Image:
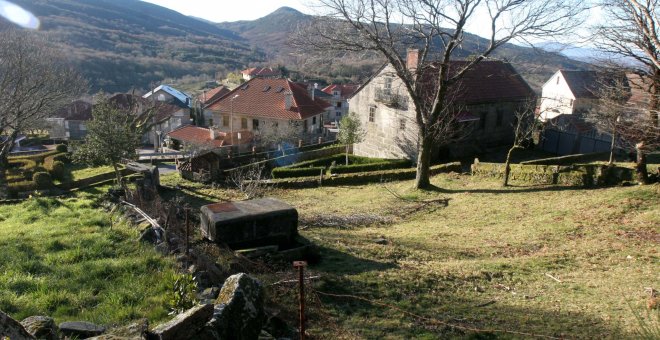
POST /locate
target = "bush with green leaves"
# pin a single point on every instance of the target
(183, 290)
(61, 148)
(58, 170)
(42, 180)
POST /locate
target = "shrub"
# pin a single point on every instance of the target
(60, 157)
(61, 148)
(38, 158)
(286, 172)
(365, 167)
(58, 170)
(42, 180)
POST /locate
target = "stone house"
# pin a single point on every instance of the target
(69, 122)
(486, 100)
(565, 99)
(263, 104)
(339, 95)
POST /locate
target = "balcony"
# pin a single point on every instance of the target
(393, 100)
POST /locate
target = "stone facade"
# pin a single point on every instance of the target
(391, 128)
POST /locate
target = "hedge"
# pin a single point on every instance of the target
(286, 172)
(394, 164)
(42, 180)
(570, 159)
(58, 170)
(340, 159)
(363, 177)
(25, 167)
(61, 148)
(575, 175)
(59, 157)
(38, 158)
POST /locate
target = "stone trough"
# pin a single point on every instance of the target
(265, 222)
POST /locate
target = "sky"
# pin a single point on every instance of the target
(224, 10)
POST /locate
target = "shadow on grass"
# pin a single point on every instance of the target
(448, 314)
(511, 189)
(340, 263)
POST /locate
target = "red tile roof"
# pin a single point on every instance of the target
(213, 94)
(261, 72)
(196, 135)
(345, 90)
(202, 136)
(263, 97)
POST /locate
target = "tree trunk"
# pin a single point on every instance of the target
(507, 166)
(4, 164)
(654, 105)
(346, 154)
(642, 172)
(117, 173)
(422, 178)
(612, 148)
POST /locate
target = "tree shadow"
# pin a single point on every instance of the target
(510, 189)
(341, 263)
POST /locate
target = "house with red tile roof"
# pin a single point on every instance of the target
(206, 138)
(266, 103)
(485, 100)
(260, 72)
(340, 93)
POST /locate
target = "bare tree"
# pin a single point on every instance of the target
(437, 28)
(248, 180)
(35, 81)
(632, 33)
(612, 93)
(524, 126)
(281, 134)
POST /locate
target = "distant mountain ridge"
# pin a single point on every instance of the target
(121, 44)
(272, 32)
(125, 44)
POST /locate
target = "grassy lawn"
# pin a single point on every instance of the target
(61, 258)
(79, 171)
(479, 262)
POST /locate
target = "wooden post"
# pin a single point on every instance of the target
(301, 286)
(187, 235)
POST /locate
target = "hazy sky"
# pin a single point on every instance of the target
(224, 10)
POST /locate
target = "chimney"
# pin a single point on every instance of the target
(213, 135)
(288, 100)
(412, 59)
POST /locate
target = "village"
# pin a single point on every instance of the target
(437, 197)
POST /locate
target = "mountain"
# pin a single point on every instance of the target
(124, 44)
(271, 33)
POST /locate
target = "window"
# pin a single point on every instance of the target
(225, 120)
(338, 104)
(314, 120)
(255, 124)
(387, 86)
(305, 125)
(500, 116)
(161, 97)
(338, 114)
(402, 124)
(244, 123)
(210, 121)
(571, 103)
(557, 80)
(372, 114)
(482, 121)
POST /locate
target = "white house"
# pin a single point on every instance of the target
(568, 92)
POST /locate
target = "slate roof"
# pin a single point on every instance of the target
(77, 110)
(345, 90)
(261, 72)
(128, 102)
(266, 97)
(487, 81)
(213, 94)
(181, 97)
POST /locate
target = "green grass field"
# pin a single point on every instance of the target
(481, 262)
(61, 258)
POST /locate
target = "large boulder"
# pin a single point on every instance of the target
(80, 329)
(41, 327)
(12, 329)
(185, 325)
(239, 310)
